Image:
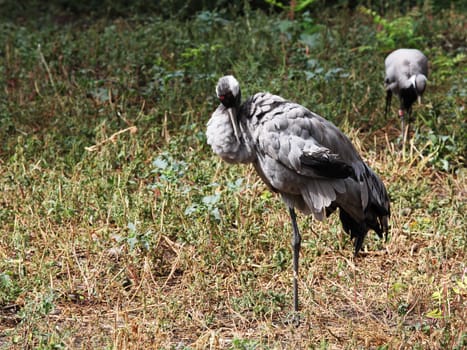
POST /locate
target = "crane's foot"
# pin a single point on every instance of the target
(296, 319)
(293, 319)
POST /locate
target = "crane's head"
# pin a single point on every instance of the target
(228, 92)
(418, 82)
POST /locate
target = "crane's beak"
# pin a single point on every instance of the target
(233, 120)
(419, 98)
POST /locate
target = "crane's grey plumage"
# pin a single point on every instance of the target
(301, 156)
(406, 76)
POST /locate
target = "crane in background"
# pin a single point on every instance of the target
(406, 77)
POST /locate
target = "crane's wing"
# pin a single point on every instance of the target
(314, 166)
(306, 143)
(302, 154)
(418, 63)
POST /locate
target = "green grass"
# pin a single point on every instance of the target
(145, 239)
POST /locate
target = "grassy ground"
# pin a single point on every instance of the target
(120, 229)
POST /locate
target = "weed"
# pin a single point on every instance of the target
(396, 32)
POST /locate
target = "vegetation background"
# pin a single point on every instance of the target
(120, 229)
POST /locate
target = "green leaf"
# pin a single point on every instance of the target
(435, 313)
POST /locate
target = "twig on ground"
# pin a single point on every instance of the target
(112, 138)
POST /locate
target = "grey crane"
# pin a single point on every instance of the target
(301, 156)
(406, 76)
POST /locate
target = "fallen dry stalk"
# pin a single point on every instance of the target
(112, 138)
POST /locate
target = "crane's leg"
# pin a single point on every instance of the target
(405, 125)
(296, 241)
(388, 103)
(403, 133)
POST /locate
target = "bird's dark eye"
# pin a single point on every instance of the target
(227, 99)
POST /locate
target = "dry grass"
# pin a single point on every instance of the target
(409, 292)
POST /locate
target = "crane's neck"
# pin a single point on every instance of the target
(233, 116)
(222, 137)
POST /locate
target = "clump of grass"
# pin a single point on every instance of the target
(120, 228)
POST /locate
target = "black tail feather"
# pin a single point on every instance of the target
(375, 214)
(355, 229)
(327, 166)
(374, 220)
